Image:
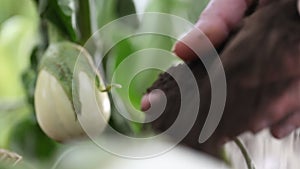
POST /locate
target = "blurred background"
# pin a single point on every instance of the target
(19, 37)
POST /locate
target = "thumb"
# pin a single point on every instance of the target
(215, 23)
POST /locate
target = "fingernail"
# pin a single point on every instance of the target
(154, 97)
(145, 103)
(183, 51)
(191, 45)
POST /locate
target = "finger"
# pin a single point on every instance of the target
(216, 21)
(276, 109)
(298, 6)
(286, 126)
(155, 98)
(145, 103)
(264, 2)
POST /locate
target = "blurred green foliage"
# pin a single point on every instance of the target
(23, 38)
(17, 38)
(19, 131)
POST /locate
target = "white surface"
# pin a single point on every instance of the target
(92, 157)
(268, 152)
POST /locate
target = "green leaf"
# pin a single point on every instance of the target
(125, 7)
(109, 10)
(28, 139)
(17, 39)
(83, 20)
(61, 14)
(105, 10)
(10, 115)
(29, 81)
(9, 8)
(119, 122)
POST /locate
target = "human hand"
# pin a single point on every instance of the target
(279, 112)
(216, 22)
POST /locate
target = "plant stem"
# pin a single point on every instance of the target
(5, 155)
(246, 155)
(84, 21)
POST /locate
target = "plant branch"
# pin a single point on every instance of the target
(246, 155)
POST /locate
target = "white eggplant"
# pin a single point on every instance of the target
(60, 90)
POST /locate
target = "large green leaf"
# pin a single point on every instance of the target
(109, 10)
(9, 8)
(28, 139)
(125, 7)
(61, 14)
(17, 38)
